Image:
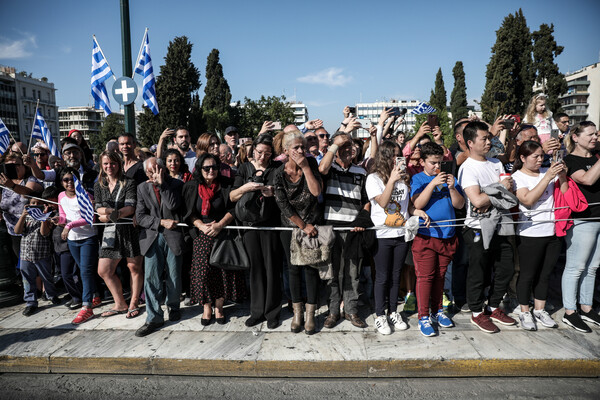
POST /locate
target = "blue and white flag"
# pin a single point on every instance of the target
(4, 138)
(422, 108)
(41, 131)
(100, 72)
(83, 199)
(38, 215)
(144, 68)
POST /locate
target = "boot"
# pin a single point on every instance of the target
(309, 325)
(297, 319)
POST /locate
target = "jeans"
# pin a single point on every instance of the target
(70, 276)
(85, 253)
(30, 271)
(583, 258)
(161, 260)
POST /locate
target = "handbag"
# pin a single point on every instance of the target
(109, 237)
(394, 218)
(228, 252)
(252, 207)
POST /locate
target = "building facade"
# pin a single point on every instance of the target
(300, 112)
(372, 111)
(582, 100)
(87, 120)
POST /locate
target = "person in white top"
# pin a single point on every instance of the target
(537, 243)
(475, 173)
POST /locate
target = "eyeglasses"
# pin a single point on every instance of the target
(311, 138)
(324, 135)
(208, 168)
(263, 153)
(38, 154)
(66, 180)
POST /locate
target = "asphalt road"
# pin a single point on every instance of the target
(90, 387)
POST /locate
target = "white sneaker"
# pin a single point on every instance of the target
(382, 325)
(398, 322)
(544, 318)
(527, 321)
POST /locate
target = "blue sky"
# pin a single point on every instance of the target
(328, 53)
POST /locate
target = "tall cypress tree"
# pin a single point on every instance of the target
(458, 98)
(438, 100)
(217, 96)
(510, 69)
(545, 50)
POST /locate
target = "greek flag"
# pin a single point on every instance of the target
(85, 205)
(41, 131)
(100, 72)
(422, 108)
(144, 68)
(4, 138)
(38, 215)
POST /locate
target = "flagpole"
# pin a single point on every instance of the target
(33, 126)
(101, 52)
(140, 52)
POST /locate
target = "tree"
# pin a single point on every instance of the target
(510, 69)
(217, 96)
(458, 98)
(545, 50)
(438, 100)
(113, 126)
(179, 79)
(252, 114)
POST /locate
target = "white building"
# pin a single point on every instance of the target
(87, 120)
(582, 100)
(372, 111)
(300, 112)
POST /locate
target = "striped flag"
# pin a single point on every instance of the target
(83, 199)
(38, 215)
(100, 72)
(422, 108)
(144, 68)
(4, 138)
(41, 131)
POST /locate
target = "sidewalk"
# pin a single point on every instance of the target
(47, 343)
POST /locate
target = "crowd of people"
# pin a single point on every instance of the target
(319, 216)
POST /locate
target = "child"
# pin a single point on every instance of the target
(36, 253)
(539, 116)
(437, 194)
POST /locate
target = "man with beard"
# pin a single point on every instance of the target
(133, 167)
(181, 141)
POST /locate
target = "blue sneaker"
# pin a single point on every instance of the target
(442, 319)
(425, 327)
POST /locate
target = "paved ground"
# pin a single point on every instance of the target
(47, 342)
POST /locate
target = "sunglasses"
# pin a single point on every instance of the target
(208, 168)
(324, 135)
(38, 154)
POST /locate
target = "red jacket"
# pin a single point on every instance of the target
(573, 199)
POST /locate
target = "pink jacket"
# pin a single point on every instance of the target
(573, 199)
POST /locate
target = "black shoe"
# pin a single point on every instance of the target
(206, 322)
(56, 300)
(148, 328)
(220, 321)
(75, 306)
(68, 303)
(590, 316)
(252, 321)
(174, 315)
(273, 324)
(29, 310)
(575, 321)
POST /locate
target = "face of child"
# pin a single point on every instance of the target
(432, 165)
(35, 202)
(540, 106)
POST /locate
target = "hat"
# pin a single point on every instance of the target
(153, 148)
(40, 145)
(71, 146)
(72, 131)
(230, 129)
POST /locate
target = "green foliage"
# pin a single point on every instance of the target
(438, 100)
(217, 95)
(458, 98)
(545, 50)
(197, 125)
(252, 114)
(113, 126)
(510, 69)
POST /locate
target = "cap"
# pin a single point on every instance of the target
(230, 129)
(71, 146)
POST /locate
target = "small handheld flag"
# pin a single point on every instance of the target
(85, 205)
(41, 131)
(38, 215)
(4, 138)
(422, 108)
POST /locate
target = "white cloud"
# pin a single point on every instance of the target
(330, 77)
(12, 49)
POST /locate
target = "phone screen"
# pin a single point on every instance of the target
(10, 170)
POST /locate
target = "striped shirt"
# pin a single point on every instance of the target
(345, 194)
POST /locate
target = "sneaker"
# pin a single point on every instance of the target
(410, 303)
(484, 323)
(442, 319)
(465, 308)
(590, 316)
(398, 322)
(544, 318)
(446, 303)
(382, 325)
(425, 327)
(576, 322)
(75, 306)
(84, 315)
(56, 300)
(96, 302)
(500, 317)
(527, 321)
(29, 310)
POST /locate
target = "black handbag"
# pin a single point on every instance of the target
(228, 252)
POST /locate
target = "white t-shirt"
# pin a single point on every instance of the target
(530, 215)
(71, 208)
(400, 194)
(478, 173)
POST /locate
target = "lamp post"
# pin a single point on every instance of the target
(127, 68)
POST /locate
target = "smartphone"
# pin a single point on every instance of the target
(352, 110)
(448, 167)
(432, 120)
(402, 162)
(395, 111)
(365, 123)
(276, 126)
(10, 170)
(508, 123)
(554, 134)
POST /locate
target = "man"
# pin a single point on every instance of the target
(312, 144)
(345, 196)
(18, 148)
(474, 174)
(132, 166)
(231, 138)
(161, 240)
(525, 133)
(323, 142)
(562, 121)
(181, 141)
(226, 156)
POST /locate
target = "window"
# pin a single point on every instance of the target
(24, 92)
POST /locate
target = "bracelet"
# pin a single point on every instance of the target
(344, 125)
(333, 148)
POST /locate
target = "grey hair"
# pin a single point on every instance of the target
(290, 137)
(159, 162)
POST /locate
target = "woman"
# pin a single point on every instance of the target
(80, 141)
(208, 209)
(583, 240)
(258, 176)
(297, 188)
(208, 143)
(115, 199)
(18, 183)
(537, 243)
(245, 153)
(176, 166)
(387, 189)
(81, 239)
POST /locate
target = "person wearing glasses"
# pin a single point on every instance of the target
(323, 143)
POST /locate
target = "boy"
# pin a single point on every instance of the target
(438, 195)
(36, 253)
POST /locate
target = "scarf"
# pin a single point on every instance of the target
(207, 193)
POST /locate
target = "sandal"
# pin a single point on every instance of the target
(132, 313)
(110, 313)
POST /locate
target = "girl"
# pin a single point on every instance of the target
(538, 115)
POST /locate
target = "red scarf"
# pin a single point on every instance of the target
(207, 193)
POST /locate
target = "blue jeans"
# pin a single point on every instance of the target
(583, 259)
(158, 259)
(85, 253)
(30, 270)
